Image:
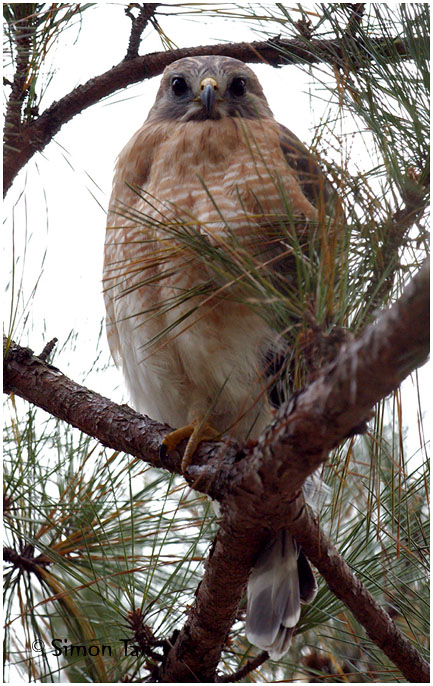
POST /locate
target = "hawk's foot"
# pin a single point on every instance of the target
(196, 432)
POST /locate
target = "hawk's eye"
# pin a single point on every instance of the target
(179, 86)
(238, 87)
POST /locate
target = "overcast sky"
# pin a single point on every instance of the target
(61, 213)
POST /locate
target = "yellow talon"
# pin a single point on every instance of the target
(196, 432)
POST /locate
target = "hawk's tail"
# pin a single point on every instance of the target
(281, 580)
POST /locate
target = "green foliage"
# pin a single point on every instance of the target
(109, 536)
(103, 536)
(101, 548)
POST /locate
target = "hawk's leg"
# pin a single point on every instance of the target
(197, 431)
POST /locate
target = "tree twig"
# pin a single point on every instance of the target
(139, 23)
(356, 12)
(249, 667)
(47, 350)
(21, 30)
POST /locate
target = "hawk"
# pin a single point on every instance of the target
(210, 180)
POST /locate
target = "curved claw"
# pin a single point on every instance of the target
(196, 432)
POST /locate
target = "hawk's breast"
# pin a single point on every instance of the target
(225, 180)
(223, 175)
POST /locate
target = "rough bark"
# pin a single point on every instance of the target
(259, 486)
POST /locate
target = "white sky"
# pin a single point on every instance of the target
(59, 211)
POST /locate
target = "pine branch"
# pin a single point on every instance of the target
(344, 584)
(146, 13)
(22, 37)
(259, 487)
(24, 560)
(116, 426)
(276, 52)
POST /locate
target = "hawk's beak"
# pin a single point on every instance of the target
(208, 88)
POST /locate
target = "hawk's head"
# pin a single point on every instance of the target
(209, 87)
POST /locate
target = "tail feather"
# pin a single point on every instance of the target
(274, 599)
(281, 580)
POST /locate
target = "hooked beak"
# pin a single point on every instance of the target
(208, 88)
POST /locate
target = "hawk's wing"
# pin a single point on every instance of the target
(313, 181)
(131, 173)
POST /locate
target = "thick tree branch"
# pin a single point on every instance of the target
(262, 492)
(259, 488)
(277, 52)
(342, 397)
(116, 426)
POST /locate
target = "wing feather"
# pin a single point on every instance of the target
(313, 181)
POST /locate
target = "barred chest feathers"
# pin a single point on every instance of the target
(214, 359)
